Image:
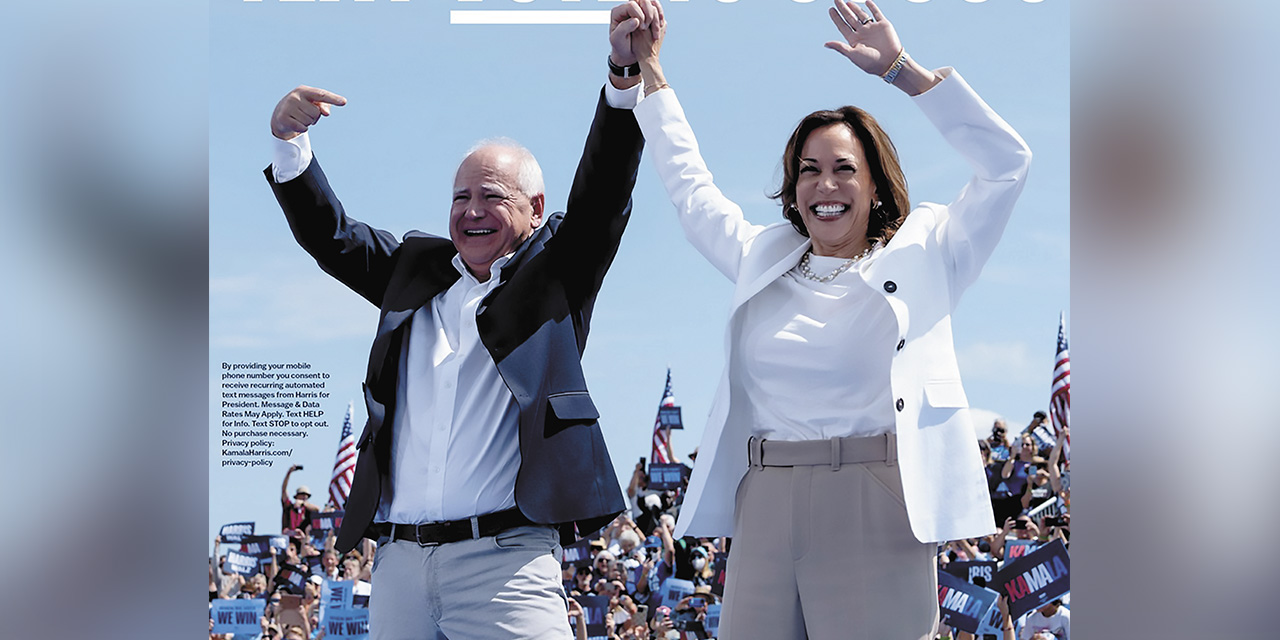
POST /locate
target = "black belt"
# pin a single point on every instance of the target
(435, 533)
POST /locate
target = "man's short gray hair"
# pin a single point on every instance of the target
(528, 174)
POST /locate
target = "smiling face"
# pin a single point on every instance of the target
(490, 215)
(834, 191)
(1028, 448)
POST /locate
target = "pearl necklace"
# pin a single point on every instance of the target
(808, 273)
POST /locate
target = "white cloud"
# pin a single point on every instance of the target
(1003, 362)
(284, 309)
(982, 419)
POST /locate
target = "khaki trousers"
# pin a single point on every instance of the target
(823, 550)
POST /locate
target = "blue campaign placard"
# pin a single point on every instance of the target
(1036, 578)
(594, 608)
(327, 520)
(719, 568)
(972, 570)
(291, 577)
(963, 605)
(669, 417)
(279, 542)
(237, 616)
(335, 595)
(322, 524)
(578, 554)
(349, 624)
(1014, 549)
(257, 546)
(674, 590)
(992, 624)
(241, 563)
(712, 623)
(665, 475)
(235, 531)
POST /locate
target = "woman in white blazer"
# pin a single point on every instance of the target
(839, 448)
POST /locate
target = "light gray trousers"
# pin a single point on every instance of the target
(504, 587)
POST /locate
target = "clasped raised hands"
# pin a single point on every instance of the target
(635, 31)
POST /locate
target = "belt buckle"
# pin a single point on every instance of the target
(417, 536)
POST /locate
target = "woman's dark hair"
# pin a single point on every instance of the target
(882, 159)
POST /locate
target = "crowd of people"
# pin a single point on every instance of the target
(630, 561)
(290, 579)
(1029, 477)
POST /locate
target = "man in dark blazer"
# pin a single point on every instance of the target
(482, 452)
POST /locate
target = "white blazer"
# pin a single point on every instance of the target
(938, 252)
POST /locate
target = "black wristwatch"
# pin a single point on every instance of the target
(630, 71)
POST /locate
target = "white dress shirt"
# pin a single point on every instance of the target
(816, 355)
(455, 448)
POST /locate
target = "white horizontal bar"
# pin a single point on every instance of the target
(529, 17)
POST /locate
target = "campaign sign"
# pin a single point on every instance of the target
(971, 570)
(712, 623)
(322, 524)
(260, 546)
(235, 531)
(256, 546)
(1036, 578)
(327, 521)
(593, 609)
(314, 564)
(718, 568)
(352, 624)
(578, 554)
(964, 606)
(669, 417)
(291, 577)
(665, 475)
(335, 595)
(241, 563)
(238, 616)
(993, 624)
(674, 590)
(1014, 549)
(280, 543)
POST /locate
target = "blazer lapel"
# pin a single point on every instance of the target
(425, 270)
(775, 268)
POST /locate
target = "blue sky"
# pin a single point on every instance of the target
(422, 90)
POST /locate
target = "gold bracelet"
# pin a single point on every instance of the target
(648, 91)
(891, 73)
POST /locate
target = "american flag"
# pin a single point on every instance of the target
(660, 434)
(344, 466)
(1060, 396)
